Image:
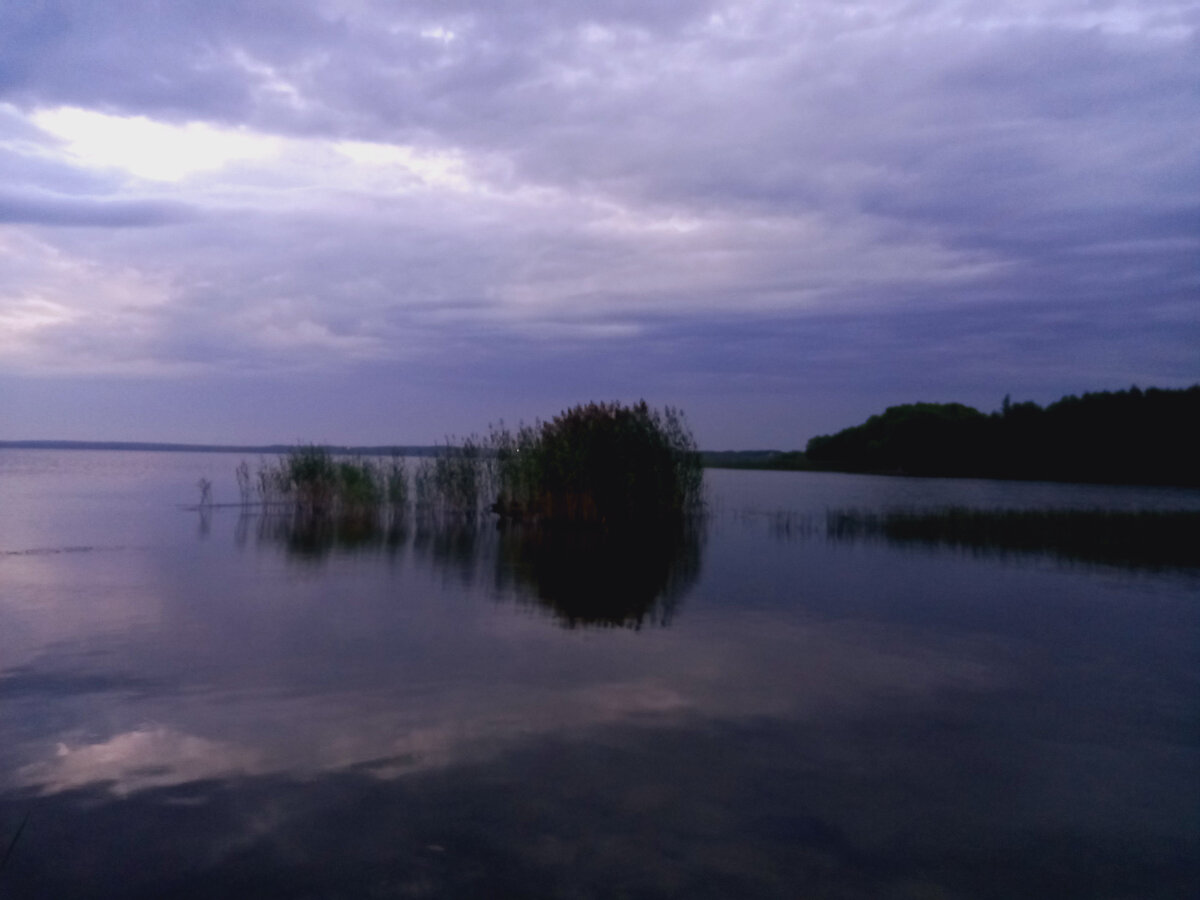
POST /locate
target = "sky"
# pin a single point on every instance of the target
(389, 222)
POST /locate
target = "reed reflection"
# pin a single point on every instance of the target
(312, 538)
(1143, 539)
(609, 577)
(454, 544)
(583, 575)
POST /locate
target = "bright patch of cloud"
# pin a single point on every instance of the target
(438, 33)
(60, 310)
(270, 84)
(149, 149)
(438, 169)
(24, 315)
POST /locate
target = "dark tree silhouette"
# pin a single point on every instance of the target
(1133, 436)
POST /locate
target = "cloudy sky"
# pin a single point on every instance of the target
(361, 222)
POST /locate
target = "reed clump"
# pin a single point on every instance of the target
(312, 481)
(600, 463)
(456, 481)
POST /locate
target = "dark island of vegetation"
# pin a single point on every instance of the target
(1113, 437)
(597, 464)
(600, 463)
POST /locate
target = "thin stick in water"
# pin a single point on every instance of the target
(13, 842)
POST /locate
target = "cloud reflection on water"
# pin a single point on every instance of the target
(147, 757)
(402, 712)
(371, 662)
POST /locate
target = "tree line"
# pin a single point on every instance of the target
(1133, 436)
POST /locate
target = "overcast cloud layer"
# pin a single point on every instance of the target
(376, 222)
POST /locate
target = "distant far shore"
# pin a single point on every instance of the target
(1107, 437)
(265, 449)
(716, 459)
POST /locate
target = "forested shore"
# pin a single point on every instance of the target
(1117, 437)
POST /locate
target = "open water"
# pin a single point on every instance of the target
(222, 705)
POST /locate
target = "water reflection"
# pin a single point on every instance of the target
(455, 545)
(313, 538)
(583, 575)
(323, 709)
(605, 577)
(757, 808)
(1145, 539)
(204, 526)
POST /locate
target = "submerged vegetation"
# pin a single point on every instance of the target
(1145, 538)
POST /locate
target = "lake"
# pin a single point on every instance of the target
(210, 703)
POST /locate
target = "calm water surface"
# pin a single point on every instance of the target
(221, 705)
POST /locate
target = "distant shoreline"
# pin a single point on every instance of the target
(710, 459)
(748, 460)
(267, 449)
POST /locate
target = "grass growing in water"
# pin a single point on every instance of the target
(1148, 538)
(311, 481)
(456, 481)
(599, 463)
